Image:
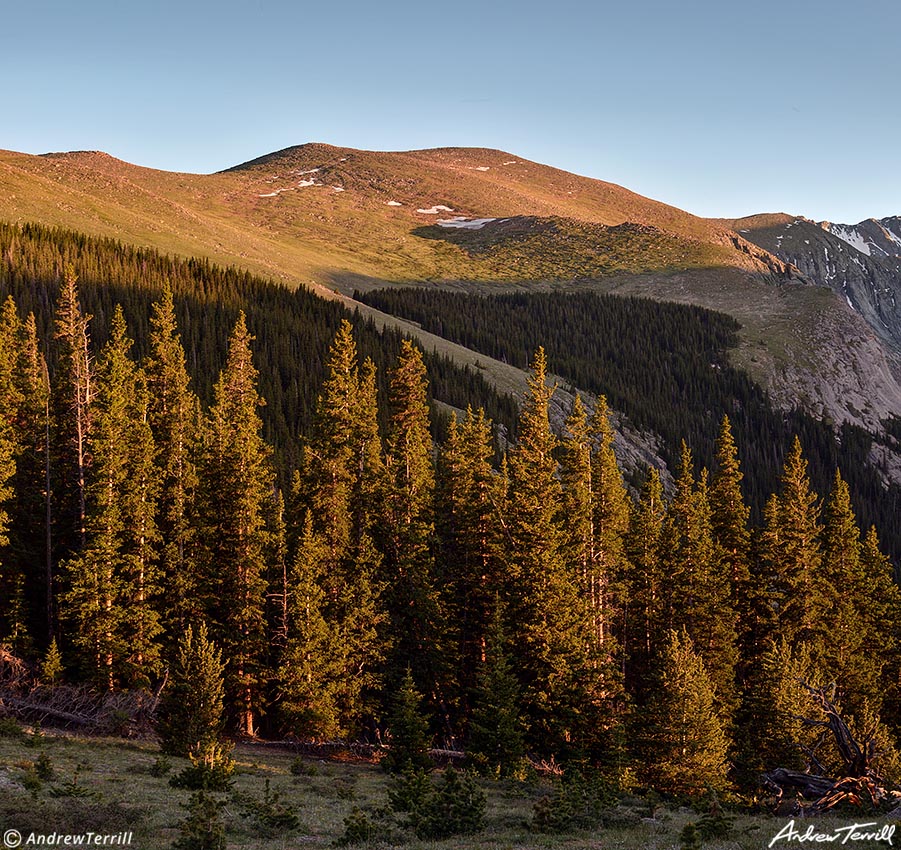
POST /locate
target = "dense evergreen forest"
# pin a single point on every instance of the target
(666, 367)
(293, 328)
(534, 604)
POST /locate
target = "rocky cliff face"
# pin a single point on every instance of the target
(860, 262)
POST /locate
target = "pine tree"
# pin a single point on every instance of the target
(696, 587)
(644, 609)
(408, 527)
(470, 497)
(729, 516)
(496, 733)
(112, 583)
(191, 712)
(72, 396)
(546, 614)
(236, 482)
(409, 731)
(30, 539)
(847, 648)
(174, 415)
(791, 555)
(687, 746)
(311, 672)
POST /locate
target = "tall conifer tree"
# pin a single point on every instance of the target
(548, 619)
(174, 415)
(72, 417)
(236, 483)
(468, 525)
(729, 516)
(411, 592)
(112, 583)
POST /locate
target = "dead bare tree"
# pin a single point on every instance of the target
(858, 782)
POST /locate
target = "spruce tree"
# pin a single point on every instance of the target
(310, 676)
(30, 538)
(191, 713)
(643, 612)
(611, 513)
(696, 587)
(112, 583)
(595, 513)
(236, 483)
(174, 416)
(72, 397)
(470, 499)
(339, 476)
(687, 745)
(847, 648)
(547, 617)
(410, 740)
(729, 516)
(407, 529)
(792, 555)
(771, 733)
(496, 732)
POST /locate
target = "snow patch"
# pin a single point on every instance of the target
(482, 168)
(304, 183)
(276, 192)
(848, 299)
(438, 208)
(308, 171)
(337, 188)
(465, 223)
(852, 237)
(512, 162)
(395, 204)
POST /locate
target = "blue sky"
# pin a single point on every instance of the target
(720, 108)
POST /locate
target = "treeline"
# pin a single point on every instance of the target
(536, 606)
(666, 367)
(293, 327)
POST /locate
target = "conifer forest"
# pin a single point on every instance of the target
(194, 457)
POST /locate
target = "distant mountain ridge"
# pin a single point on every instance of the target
(860, 262)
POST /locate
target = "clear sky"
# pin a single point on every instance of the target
(721, 108)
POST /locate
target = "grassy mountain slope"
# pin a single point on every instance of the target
(259, 215)
(341, 219)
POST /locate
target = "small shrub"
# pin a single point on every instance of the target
(301, 767)
(73, 789)
(30, 780)
(36, 738)
(368, 826)
(202, 829)
(344, 787)
(689, 838)
(44, 767)
(716, 823)
(270, 814)
(409, 791)
(454, 807)
(161, 767)
(9, 728)
(578, 803)
(210, 771)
